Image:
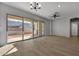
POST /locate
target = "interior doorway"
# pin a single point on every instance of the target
(74, 27)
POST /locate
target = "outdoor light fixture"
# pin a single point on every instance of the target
(35, 6)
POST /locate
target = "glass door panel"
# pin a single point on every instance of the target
(14, 30)
(39, 28)
(35, 28)
(43, 28)
(28, 28)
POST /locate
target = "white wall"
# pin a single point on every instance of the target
(61, 26)
(47, 27)
(4, 9)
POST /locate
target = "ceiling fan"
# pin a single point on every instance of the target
(55, 15)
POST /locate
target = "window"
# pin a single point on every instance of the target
(35, 28)
(14, 28)
(28, 28)
(21, 28)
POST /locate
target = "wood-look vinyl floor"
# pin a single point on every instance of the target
(47, 46)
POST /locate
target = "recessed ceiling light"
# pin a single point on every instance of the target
(59, 6)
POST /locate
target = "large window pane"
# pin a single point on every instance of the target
(43, 25)
(35, 28)
(40, 28)
(28, 28)
(14, 28)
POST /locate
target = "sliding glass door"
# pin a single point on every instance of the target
(43, 25)
(35, 28)
(20, 28)
(14, 30)
(40, 28)
(28, 29)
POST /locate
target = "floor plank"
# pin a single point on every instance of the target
(46, 46)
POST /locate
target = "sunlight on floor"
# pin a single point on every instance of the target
(7, 49)
(12, 51)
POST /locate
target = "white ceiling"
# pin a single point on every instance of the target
(48, 8)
